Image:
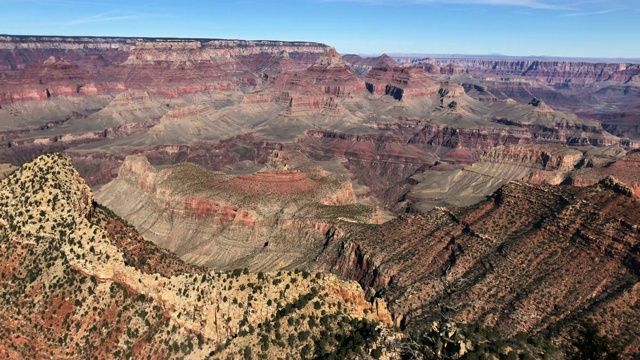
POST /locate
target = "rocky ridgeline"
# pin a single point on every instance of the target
(75, 283)
(536, 259)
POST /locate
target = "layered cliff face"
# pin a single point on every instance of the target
(329, 75)
(432, 66)
(265, 221)
(626, 170)
(554, 72)
(535, 259)
(400, 82)
(105, 65)
(78, 282)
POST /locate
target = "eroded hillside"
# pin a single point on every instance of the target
(537, 259)
(267, 220)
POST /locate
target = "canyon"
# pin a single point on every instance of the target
(196, 194)
(606, 92)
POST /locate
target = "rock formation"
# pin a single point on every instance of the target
(265, 221)
(400, 82)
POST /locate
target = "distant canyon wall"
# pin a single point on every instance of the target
(554, 72)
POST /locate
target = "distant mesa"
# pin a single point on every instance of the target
(362, 65)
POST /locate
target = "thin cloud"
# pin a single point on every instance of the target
(105, 18)
(532, 4)
(590, 13)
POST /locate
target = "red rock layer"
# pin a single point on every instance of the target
(330, 75)
(400, 82)
(165, 67)
(280, 182)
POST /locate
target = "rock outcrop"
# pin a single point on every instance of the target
(625, 170)
(399, 82)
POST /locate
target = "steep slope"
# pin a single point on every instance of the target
(537, 259)
(77, 282)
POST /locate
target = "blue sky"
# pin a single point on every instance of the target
(578, 28)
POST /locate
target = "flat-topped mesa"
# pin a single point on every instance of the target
(400, 82)
(430, 67)
(451, 69)
(549, 157)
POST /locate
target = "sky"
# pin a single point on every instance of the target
(566, 28)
